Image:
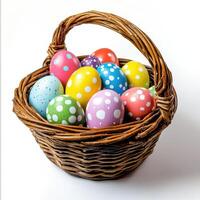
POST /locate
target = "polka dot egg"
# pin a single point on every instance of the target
(65, 110)
(138, 102)
(136, 74)
(83, 83)
(43, 91)
(63, 64)
(113, 78)
(104, 109)
(92, 61)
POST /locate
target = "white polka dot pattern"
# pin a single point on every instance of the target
(79, 95)
(59, 108)
(117, 113)
(55, 118)
(72, 110)
(72, 119)
(100, 114)
(97, 101)
(68, 102)
(87, 89)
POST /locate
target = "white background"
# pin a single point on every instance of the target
(173, 170)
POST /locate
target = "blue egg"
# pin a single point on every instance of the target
(43, 91)
(112, 77)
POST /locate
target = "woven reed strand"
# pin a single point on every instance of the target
(107, 153)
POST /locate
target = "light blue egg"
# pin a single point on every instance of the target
(43, 91)
(113, 78)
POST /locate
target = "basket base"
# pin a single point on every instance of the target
(97, 162)
(104, 176)
(119, 176)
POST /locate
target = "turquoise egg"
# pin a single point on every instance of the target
(113, 78)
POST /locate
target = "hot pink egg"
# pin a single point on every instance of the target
(138, 102)
(63, 64)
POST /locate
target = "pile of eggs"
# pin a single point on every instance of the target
(95, 92)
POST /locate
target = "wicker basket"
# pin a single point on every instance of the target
(106, 153)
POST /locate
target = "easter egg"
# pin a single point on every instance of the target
(104, 109)
(112, 77)
(152, 91)
(43, 91)
(63, 64)
(65, 110)
(91, 61)
(136, 74)
(82, 84)
(138, 102)
(106, 55)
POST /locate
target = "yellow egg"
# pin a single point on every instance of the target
(136, 74)
(82, 84)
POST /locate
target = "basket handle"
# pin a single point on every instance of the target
(161, 73)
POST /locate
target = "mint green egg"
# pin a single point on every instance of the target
(152, 91)
(65, 110)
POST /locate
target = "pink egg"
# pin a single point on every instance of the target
(63, 64)
(138, 102)
(104, 109)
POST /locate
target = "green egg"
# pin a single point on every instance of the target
(65, 110)
(152, 91)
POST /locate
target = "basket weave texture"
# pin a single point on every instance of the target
(107, 153)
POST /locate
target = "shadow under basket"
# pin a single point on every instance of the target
(107, 153)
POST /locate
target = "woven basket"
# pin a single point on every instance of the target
(107, 153)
